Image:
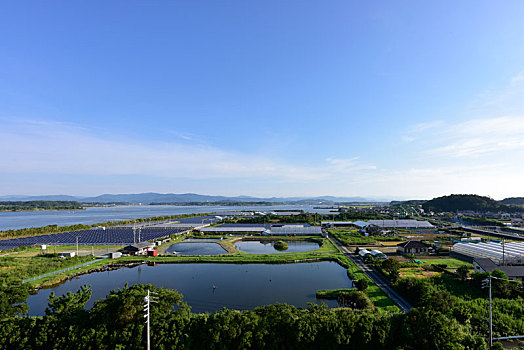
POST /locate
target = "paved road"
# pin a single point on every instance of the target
(376, 277)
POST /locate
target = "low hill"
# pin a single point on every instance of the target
(472, 202)
(39, 205)
(513, 201)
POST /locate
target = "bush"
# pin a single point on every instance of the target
(281, 245)
(415, 290)
(355, 300)
(361, 284)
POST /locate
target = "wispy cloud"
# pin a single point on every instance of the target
(478, 137)
(426, 126)
(347, 165)
(497, 126)
(53, 147)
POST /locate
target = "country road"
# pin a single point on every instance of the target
(376, 277)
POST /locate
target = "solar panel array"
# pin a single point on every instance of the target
(90, 237)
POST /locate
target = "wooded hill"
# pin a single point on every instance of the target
(472, 202)
(513, 201)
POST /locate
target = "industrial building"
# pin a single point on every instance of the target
(293, 230)
(511, 253)
(265, 229)
(138, 248)
(406, 224)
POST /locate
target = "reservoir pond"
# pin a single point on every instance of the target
(193, 248)
(211, 287)
(268, 247)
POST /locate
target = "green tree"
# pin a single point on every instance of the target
(361, 284)
(69, 303)
(392, 268)
(13, 298)
(463, 272)
(500, 284)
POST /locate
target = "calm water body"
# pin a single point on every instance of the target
(196, 249)
(265, 247)
(17, 220)
(238, 286)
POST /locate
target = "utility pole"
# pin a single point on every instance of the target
(487, 284)
(76, 245)
(148, 300)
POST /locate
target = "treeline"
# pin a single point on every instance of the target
(513, 201)
(50, 229)
(117, 322)
(271, 218)
(481, 221)
(309, 218)
(457, 202)
(40, 205)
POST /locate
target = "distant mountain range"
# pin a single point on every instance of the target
(147, 198)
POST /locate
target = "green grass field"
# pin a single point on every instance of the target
(448, 261)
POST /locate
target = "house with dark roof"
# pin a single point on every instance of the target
(413, 247)
(487, 265)
(138, 248)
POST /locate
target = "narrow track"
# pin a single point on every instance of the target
(376, 277)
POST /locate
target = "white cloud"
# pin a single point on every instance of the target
(53, 147)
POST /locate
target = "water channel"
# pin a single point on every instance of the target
(237, 286)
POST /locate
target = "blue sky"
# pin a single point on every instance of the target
(382, 99)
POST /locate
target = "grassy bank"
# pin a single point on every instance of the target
(20, 268)
(332, 293)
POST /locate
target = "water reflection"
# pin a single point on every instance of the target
(196, 249)
(268, 247)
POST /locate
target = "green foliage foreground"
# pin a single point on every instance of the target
(117, 322)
